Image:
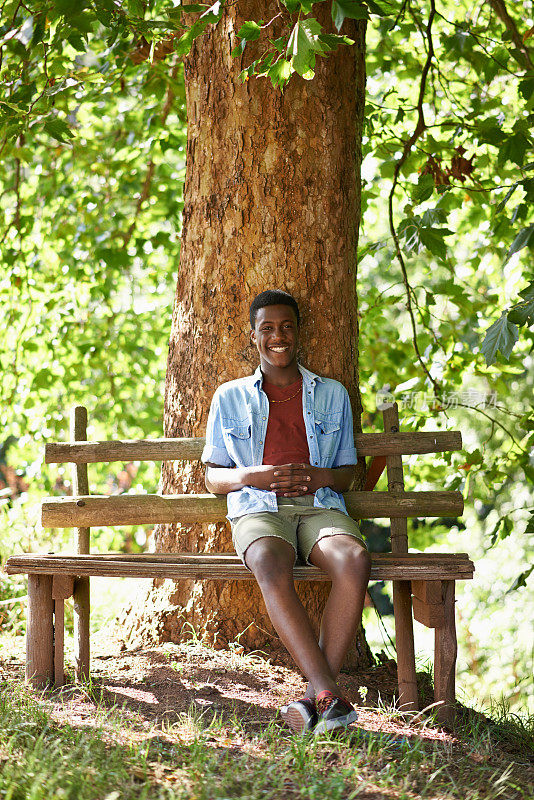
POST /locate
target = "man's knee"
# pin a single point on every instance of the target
(271, 560)
(347, 559)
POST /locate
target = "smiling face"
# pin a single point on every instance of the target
(275, 335)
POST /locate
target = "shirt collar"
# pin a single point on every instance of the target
(308, 376)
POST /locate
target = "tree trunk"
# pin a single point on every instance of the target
(272, 200)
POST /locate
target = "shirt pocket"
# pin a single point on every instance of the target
(237, 439)
(328, 435)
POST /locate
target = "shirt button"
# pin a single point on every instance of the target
(264, 417)
(311, 436)
(315, 462)
(261, 441)
(309, 412)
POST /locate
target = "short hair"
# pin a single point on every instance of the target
(272, 297)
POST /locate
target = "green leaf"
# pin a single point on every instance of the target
(59, 129)
(6, 107)
(501, 336)
(303, 45)
(250, 31)
(514, 149)
(279, 44)
(185, 42)
(291, 5)
(433, 217)
(521, 579)
(39, 27)
(353, 9)
(490, 132)
(522, 313)
(423, 189)
(378, 8)
(507, 196)
(43, 378)
(82, 22)
(528, 292)
(212, 14)
(280, 72)
(409, 228)
(526, 88)
(67, 7)
(524, 237)
(332, 40)
(432, 238)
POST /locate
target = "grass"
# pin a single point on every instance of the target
(200, 754)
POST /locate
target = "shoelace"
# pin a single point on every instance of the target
(325, 700)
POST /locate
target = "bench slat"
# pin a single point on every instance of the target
(146, 509)
(385, 566)
(183, 449)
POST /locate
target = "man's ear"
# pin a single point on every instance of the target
(253, 338)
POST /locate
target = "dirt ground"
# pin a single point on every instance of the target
(154, 686)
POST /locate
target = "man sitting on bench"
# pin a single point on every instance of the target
(280, 445)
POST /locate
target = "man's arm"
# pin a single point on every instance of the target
(288, 480)
(222, 480)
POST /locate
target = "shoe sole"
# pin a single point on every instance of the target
(325, 725)
(298, 720)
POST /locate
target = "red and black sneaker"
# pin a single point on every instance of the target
(300, 715)
(333, 712)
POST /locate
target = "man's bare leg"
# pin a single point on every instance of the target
(348, 564)
(271, 560)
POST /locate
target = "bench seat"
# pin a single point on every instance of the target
(199, 566)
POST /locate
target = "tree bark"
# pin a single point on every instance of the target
(272, 200)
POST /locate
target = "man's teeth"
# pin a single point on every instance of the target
(279, 349)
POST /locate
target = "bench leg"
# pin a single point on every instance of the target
(445, 657)
(402, 605)
(62, 588)
(59, 639)
(81, 629)
(40, 631)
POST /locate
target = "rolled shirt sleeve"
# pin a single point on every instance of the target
(215, 450)
(346, 453)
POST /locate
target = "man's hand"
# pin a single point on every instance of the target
(295, 480)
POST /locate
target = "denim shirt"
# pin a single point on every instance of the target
(237, 424)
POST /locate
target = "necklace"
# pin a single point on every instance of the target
(289, 398)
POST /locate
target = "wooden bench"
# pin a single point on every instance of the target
(423, 583)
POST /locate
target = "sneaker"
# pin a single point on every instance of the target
(333, 712)
(300, 715)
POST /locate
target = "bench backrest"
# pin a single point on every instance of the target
(83, 511)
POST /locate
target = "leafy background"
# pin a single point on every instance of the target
(93, 132)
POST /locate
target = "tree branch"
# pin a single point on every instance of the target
(499, 6)
(408, 145)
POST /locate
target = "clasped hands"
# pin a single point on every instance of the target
(295, 480)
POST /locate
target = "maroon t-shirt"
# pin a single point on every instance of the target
(285, 440)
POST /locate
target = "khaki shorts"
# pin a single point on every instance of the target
(297, 522)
